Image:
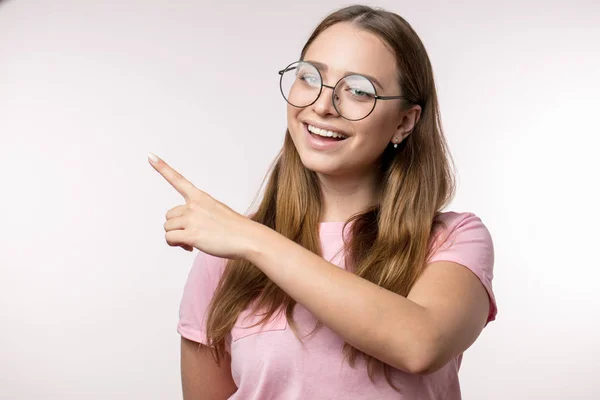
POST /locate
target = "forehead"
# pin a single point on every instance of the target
(344, 47)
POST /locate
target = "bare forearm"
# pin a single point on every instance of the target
(380, 323)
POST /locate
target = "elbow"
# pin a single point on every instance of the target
(428, 357)
(425, 366)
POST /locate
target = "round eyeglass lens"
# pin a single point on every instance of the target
(354, 97)
(300, 84)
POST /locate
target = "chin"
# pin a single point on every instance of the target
(320, 164)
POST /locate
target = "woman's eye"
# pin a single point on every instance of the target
(359, 93)
(309, 79)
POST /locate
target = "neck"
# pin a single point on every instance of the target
(343, 197)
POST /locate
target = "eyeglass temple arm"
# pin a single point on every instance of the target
(389, 97)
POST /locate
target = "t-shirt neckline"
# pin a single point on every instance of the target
(332, 227)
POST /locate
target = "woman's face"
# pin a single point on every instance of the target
(341, 49)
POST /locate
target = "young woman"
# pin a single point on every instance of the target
(348, 282)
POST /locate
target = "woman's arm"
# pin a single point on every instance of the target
(440, 318)
(201, 377)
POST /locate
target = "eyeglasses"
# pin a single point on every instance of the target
(354, 96)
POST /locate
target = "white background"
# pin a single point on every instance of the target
(89, 290)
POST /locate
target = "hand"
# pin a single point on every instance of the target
(202, 222)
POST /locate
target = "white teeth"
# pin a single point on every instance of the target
(323, 132)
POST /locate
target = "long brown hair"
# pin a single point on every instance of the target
(389, 242)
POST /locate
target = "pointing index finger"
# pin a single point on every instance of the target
(182, 185)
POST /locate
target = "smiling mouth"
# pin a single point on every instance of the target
(325, 134)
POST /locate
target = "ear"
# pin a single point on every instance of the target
(408, 120)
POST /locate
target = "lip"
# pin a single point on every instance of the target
(325, 126)
(317, 144)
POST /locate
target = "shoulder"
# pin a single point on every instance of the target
(463, 238)
(207, 268)
(452, 226)
(453, 219)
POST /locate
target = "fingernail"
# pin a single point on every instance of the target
(152, 157)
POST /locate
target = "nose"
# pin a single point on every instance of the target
(324, 104)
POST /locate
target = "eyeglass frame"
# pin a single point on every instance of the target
(376, 96)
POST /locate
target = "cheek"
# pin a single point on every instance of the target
(292, 118)
(377, 131)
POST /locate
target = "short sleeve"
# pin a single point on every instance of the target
(467, 241)
(199, 289)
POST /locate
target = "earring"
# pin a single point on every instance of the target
(396, 144)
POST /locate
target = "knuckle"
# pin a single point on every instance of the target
(171, 240)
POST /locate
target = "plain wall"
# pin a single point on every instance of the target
(89, 289)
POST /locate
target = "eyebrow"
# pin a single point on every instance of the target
(324, 68)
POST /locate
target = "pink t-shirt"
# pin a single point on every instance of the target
(268, 362)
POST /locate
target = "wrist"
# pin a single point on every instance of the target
(255, 235)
